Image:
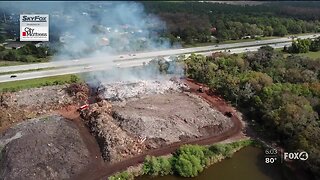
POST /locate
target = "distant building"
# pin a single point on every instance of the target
(14, 44)
(213, 30)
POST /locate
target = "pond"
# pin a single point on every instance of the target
(247, 164)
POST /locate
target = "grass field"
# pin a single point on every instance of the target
(312, 55)
(39, 82)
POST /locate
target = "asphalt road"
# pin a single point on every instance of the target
(122, 61)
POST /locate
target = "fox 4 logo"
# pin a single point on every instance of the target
(296, 156)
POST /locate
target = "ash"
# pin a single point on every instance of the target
(122, 90)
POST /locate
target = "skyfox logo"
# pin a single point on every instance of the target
(34, 19)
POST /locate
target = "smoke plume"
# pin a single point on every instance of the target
(92, 29)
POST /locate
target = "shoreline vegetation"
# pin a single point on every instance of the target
(187, 161)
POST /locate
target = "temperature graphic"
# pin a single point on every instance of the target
(271, 156)
(270, 160)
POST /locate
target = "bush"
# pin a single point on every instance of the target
(28, 59)
(189, 160)
(194, 150)
(11, 56)
(58, 82)
(187, 165)
(155, 166)
(122, 176)
(74, 79)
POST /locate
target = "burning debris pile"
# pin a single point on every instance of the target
(115, 143)
(120, 91)
(150, 114)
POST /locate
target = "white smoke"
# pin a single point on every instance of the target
(91, 29)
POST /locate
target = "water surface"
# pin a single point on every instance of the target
(247, 164)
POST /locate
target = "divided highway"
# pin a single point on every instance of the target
(123, 61)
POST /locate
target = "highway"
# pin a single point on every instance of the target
(123, 61)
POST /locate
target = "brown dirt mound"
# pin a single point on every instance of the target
(46, 148)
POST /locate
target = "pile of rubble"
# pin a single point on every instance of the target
(130, 127)
(120, 91)
(170, 117)
(115, 143)
(30, 103)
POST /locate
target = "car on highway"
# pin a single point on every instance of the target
(121, 56)
(13, 76)
(87, 67)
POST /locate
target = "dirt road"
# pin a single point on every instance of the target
(100, 170)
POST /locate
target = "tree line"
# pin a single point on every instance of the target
(193, 22)
(280, 94)
(27, 53)
(303, 46)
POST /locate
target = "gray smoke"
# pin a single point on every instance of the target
(92, 29)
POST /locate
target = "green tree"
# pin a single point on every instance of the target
(294, 28)
(261, 59)
(11, 56)
(280, 30)
(268, 31)
(187, 165)
(300, 46)
(151, 166)
(315, 45)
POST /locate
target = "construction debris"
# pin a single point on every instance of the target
(31, 103)
(170, 117)
(120, 91)
(116, 144)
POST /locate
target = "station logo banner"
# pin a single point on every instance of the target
(34, 27)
